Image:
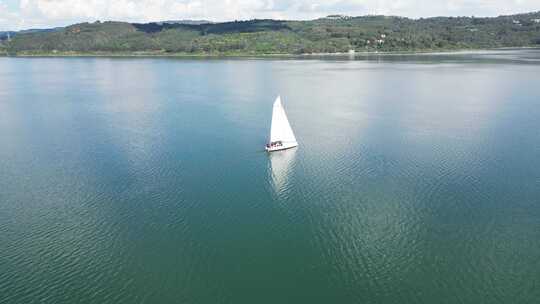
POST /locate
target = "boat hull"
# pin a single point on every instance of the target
(281, 148)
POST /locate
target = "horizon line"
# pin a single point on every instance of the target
(285, 20)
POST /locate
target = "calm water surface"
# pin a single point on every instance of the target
(417, 180)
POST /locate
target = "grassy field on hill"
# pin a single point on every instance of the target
(259, 37)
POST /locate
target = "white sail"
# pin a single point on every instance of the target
(281, 129)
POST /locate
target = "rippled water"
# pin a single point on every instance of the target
(417, 180)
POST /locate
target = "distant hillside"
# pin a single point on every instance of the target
(326, 35)
(4, 35)
(195, 22)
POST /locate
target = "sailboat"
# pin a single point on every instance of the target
(281, 134)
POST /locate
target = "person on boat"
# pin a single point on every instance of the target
(274, 144)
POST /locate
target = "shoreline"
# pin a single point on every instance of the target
(244, 55)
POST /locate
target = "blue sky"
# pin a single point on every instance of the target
(23, 14)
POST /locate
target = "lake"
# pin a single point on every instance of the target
(144, 180)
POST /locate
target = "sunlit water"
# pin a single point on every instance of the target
(417, 180)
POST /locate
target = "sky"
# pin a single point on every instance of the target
(25, 14)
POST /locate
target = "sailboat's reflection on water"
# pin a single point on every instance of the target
(281, 170)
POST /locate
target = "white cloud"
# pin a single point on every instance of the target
(6, 16)
(47, 13)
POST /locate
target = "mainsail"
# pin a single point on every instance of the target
(281, 129)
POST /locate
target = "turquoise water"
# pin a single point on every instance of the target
(417, 180)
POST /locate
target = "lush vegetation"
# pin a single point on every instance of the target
(327, 35)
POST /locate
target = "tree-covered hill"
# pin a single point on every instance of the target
(326, 35)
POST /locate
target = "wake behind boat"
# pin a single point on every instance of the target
(281, 133)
